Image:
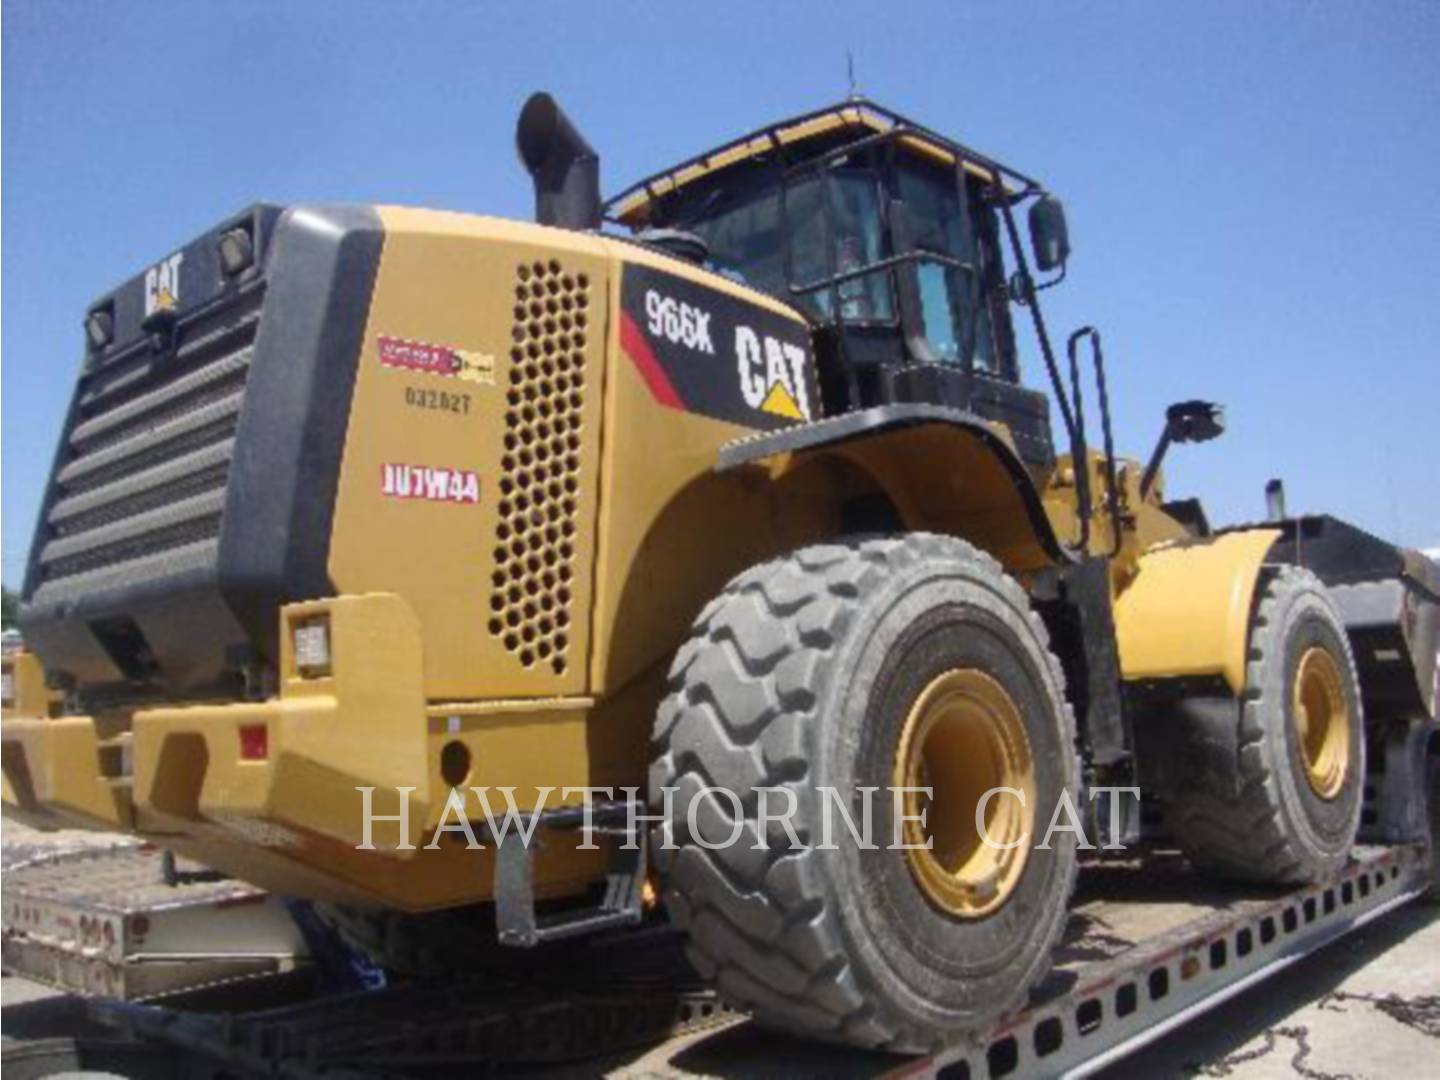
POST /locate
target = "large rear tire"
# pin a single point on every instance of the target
(1278, 801)
(867, 664)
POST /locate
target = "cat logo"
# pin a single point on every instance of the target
(772, 375)
(162, 285)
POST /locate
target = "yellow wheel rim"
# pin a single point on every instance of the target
(964, 738)
(1322, 718)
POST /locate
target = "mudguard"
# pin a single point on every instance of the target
(1186, 612)
(984, 494)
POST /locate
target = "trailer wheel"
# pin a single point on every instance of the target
(1278, 800)
(881, 664)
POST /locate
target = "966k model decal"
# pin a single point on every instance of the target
(705, 351)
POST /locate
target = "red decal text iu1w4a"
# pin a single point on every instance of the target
(433, 485)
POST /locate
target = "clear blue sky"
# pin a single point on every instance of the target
(1251, 186)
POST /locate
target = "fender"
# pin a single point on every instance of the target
(1186, 612)
(944, 470)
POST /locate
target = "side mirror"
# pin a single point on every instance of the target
(1185, 422)
(1049, 236)
(1194, 421)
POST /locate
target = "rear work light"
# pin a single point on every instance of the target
(312, 648)
(99, 328)
(237, 250)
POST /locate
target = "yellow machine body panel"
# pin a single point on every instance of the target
(671, 530)
(971, 495)
(520, 579)
(25, 691)
(1186, 611)
(469, 488)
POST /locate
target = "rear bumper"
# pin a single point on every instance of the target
(36, 788)
(293, 818)
(275, 770)
(52, 777)
(279, 771)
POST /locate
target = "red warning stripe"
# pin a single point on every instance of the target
(638, 349)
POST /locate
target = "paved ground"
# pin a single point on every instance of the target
(1366, 1007)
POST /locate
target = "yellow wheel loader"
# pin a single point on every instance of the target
(697, 530)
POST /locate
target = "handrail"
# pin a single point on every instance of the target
(1080, 456)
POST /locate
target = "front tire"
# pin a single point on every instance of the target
(1279, 800)
(846, 666)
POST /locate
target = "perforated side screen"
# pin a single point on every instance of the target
(539, 482)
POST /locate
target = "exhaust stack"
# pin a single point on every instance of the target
(563, 166)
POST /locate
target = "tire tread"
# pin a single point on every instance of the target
(763, 928)
(1234, 826)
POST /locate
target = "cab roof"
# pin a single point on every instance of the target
(633, 206)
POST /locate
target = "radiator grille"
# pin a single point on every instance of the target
(140, 486)
(540, 469)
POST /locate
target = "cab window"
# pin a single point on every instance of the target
(952, 300)
(743, 234)
(750, 244)
(855, 242)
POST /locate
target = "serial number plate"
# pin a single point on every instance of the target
(443, 400)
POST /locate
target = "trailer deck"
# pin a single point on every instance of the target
(1149, 946)
(124, 922)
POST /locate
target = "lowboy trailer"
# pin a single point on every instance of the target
(1144, 952)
